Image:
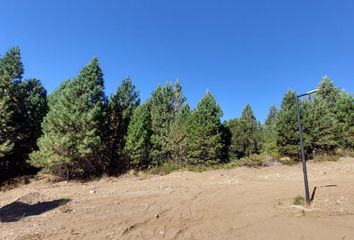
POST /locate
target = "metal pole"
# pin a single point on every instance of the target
(307, 193)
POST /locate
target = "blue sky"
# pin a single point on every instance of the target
(242, 51)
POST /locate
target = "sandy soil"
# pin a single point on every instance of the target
(223, 204)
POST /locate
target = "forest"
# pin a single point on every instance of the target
(78, 132)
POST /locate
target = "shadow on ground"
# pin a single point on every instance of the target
(17, 210)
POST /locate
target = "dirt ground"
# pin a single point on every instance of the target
(239, 203)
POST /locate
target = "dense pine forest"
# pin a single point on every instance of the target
(79, 132)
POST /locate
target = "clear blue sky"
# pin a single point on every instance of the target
(242, 51)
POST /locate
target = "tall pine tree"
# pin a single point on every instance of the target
(251, 132)
(287, 128)
(72, 129)
(11, 71)
(205, 143)
(137, 142)
(165, 104)
(178, 136)
(345, 120)
(119, 113)
(23, 105)
(269, 132)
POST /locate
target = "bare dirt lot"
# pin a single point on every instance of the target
(240, 203)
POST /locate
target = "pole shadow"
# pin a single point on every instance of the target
(18, 210)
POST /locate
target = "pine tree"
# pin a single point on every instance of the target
(72, 129)
(178, 136)
(32, 107)
(250, 132)
(120, 110)
(328, 92)
(23, 105)
(269, 132)
(324, 135)
(345, 120)
(309, 112)
(287, 128)
(166, 102)
(11, 70)
(137, 142)
(236, 147)
(205, 142)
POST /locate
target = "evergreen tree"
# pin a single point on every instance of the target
(287, 128)
(205, 142)
(323, 135)
(120, 110)
(11, 71)
(166, 102)
(345, 120)
(32, 107)
(250, 132)
(269, 132)
(329, 93)
(309, 114)
(137, 142)
(72, 129)
(178, 136)
(236, 147)
(23, 105)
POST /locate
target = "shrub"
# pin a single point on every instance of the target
(299, 200)
(325, 158)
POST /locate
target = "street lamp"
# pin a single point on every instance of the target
(307, 193)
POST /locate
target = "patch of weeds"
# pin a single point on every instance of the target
(254, 161)
(287, 161)
(325, 158)
(165, 168)
(299, 200)
(345, 152)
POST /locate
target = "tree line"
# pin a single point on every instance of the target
(79, 132)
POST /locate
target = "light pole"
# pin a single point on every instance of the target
(307, 193)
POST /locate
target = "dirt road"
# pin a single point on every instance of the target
(240, 203)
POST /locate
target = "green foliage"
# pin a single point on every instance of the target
(251, 132)
(85, 134)
(328, 92)
(72, 129)
(246, 134)
(165, 168)
(23, 104)
(138, 146)
(205, 143)
(270, 133)
(344, 109)
(32, 107)
(326, 158)
(178, 136)
(119, 113)
(286, 127)
(11, 71)
(252, 161)
(235, 130)
(299, 200)
(166, 102)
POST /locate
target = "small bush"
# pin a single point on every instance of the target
(325, 158)
(165, 168)
(287, 161)
(345, 152)
(299, 200)
(253, 160)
